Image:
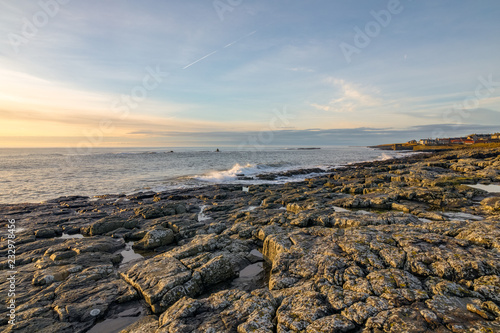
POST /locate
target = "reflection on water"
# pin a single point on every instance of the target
(254, 275)
(252, 270)
(459, 216)
(202, 216)
(340, 209)
(487, 188)
(129, 254)
(250, 278)
(67, 236)
(118, 321)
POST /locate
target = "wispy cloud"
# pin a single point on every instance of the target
(347, 98)
(300, 69)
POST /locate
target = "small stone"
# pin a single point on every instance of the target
(95, 312)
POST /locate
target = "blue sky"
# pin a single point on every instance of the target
(229, 68)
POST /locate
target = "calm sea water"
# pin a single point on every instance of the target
(35, 175)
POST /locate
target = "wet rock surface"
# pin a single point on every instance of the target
(388, 246)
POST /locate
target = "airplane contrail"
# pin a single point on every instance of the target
(236, 41)
(208, 55)
(191, 64)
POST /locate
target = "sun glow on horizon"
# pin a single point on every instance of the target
(161, 73)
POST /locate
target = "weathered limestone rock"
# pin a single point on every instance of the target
(86, 296)
(155, 238)
(217, 270)
(359, 312)
(149, 212)
(454, 313)
(201, 243)
(333, 323)
(162, 280)
(297, 312)
(185, 271)
(185, 228)
(489, 287)
(57, 273)
(144, 325)
(225, 311)
(108, 224)
(48, 232)
(100, 244)
(276, 244)
(404, 319)
(491, 204)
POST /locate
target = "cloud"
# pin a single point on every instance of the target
(348, 98)
(19, 90)
(300, 69)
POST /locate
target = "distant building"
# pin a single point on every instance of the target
(469, 140)
(479, 137)
(456, 141)
(427, 141)
(443, 141)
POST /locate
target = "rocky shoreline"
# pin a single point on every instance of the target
(387, 246)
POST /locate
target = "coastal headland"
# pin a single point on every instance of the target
(401, 245)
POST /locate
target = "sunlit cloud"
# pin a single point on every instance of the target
(348, 98)
(20, 91)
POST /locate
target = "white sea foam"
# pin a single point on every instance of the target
(385, 157)
(228, 175)
(397, 155)
(248, 170)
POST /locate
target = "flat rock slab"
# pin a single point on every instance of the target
(162, 280)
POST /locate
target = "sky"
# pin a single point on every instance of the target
(246, 73)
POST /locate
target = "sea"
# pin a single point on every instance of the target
(33, 175)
